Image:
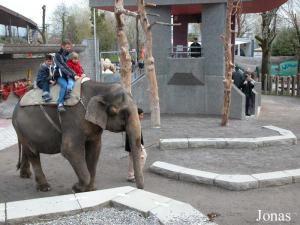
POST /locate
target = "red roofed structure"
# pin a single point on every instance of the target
(190, 84)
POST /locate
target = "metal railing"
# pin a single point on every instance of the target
(181, 51)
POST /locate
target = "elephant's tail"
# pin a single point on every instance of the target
(20, 155)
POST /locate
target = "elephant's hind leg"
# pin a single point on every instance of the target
(73, 150)
(24, 166)
(41, 181)
(92, 152)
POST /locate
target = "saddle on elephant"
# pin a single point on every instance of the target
(34, 96)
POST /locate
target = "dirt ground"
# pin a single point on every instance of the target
(235, 208)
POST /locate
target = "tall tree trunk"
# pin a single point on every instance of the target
(265, 65)
(125, 58)
(150, 66)
(228, 63)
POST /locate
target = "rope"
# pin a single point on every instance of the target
(49, 119)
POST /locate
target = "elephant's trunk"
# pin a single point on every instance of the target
(133, 130)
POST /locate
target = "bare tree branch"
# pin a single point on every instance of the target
(150, 4)
(120, 10)
(164, 24)
(153, 14)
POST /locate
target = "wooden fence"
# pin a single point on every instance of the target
(282, 85)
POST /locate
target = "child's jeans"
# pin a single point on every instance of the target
(130, 174)
(44, 85)
(65, 85)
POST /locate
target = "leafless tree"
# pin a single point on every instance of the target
(266, 38)
(291, 12)
(233, 9)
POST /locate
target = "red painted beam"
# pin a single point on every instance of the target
(258, 6)
(255, 6)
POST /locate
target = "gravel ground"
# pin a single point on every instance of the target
(114, 216)
(105, 216)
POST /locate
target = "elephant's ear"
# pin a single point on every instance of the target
(96, 111)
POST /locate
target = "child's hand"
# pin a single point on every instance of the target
(52, 82)
(76, 77)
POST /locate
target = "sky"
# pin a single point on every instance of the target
(32, 9)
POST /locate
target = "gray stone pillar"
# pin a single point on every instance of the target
(87, 59)
(213, 25)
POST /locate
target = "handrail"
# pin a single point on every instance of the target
(135, 81)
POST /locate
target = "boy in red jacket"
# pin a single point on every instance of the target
(73, 64)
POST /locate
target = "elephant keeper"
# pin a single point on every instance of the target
(130, 175)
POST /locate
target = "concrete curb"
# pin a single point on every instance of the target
(147, 203)
(234, 182)
(286, 137)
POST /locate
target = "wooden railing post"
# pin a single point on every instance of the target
(288, 85)
(276, 84)
(266, 84)
(293, 85)
(282, 85)
(270, 82)
(298, 85)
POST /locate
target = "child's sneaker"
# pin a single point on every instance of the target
(61, 108)
(68, 94)
(47, 98)
(131, 179)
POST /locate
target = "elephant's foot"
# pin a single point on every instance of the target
(43, 187)
(80, 188)
(91, 188)
(25, 174)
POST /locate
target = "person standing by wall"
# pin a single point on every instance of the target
(247, 88)
(195, 49)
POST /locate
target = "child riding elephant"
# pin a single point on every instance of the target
(63, 74)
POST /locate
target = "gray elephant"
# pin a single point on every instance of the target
(76, 133)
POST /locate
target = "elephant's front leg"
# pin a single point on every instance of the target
(73, 150)
(92, 152)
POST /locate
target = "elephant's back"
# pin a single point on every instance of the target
(34, 129)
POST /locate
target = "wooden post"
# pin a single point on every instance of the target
(298, 85)
(270, 86)
(276, 84)
(293, 85)
(150, 66)
(228, 63)
(288, 85)
(29, 77)
(125, 58)
(282, 85)
(0, 86)
(265, 84)
(44, 25)
(137, 38)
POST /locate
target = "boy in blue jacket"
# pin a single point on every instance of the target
(44, 77)
(63, 74)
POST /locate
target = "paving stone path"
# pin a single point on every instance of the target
(235, 208)
(8, 135)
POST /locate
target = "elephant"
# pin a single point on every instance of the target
(102, 107)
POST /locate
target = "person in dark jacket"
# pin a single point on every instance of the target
(45, 77)
(130, 176)
(63, 74)
(195, 49)
(247, 88)
(237, 77)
